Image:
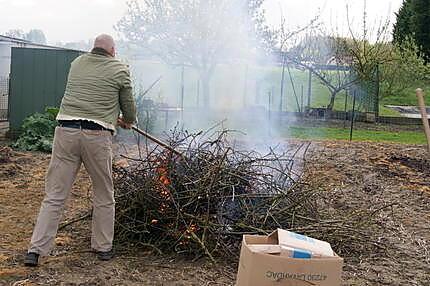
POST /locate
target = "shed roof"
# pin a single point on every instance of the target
(26, 42)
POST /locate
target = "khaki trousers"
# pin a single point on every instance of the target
(71, 148)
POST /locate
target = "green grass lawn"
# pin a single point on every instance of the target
(321, 133)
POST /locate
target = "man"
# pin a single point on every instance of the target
(98, 89)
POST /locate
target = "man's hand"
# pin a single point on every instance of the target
(123, 124)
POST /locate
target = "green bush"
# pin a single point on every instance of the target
(405, 72)
(38, 131)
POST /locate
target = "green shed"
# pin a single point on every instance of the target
(38, 79)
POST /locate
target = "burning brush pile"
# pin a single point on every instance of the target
(203, 202)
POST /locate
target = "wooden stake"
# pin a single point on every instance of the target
(422, 105)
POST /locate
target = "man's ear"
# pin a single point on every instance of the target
(113, 52)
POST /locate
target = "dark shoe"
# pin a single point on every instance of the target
(105, 255)
(31, 259)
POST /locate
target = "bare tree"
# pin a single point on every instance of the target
(34, 35)
(368, 47)
(16, 33)
(196, 33)
(285, 40)
(326, 57)
(340, 62)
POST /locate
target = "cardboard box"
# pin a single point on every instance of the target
(265, 262)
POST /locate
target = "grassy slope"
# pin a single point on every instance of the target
(407, 97)
(316, 133)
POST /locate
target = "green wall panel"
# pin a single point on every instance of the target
(38, 79)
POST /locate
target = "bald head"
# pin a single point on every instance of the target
(105, 42)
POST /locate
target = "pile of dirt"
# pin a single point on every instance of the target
(11, 162)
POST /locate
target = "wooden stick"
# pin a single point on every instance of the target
(422, 105)
(158, 141)
(67, 223)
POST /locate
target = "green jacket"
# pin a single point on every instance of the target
(98, 88)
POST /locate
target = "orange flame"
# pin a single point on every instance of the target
(163, 174)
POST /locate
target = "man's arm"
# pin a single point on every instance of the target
(126, 100)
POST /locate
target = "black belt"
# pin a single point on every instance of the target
(82, 124)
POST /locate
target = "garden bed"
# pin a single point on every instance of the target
(351, 176)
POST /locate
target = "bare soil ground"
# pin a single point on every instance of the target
(357, 175)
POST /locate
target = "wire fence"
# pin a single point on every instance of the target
(4, 94)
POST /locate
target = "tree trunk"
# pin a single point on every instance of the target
(332, 98)
(281, 104)
(205, 79)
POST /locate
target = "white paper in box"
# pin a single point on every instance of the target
(298, 241)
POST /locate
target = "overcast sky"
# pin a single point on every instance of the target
(66, 20)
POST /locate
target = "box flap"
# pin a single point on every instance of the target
(265, 248)
(256, 239)
(273, 237)
(295, 240)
